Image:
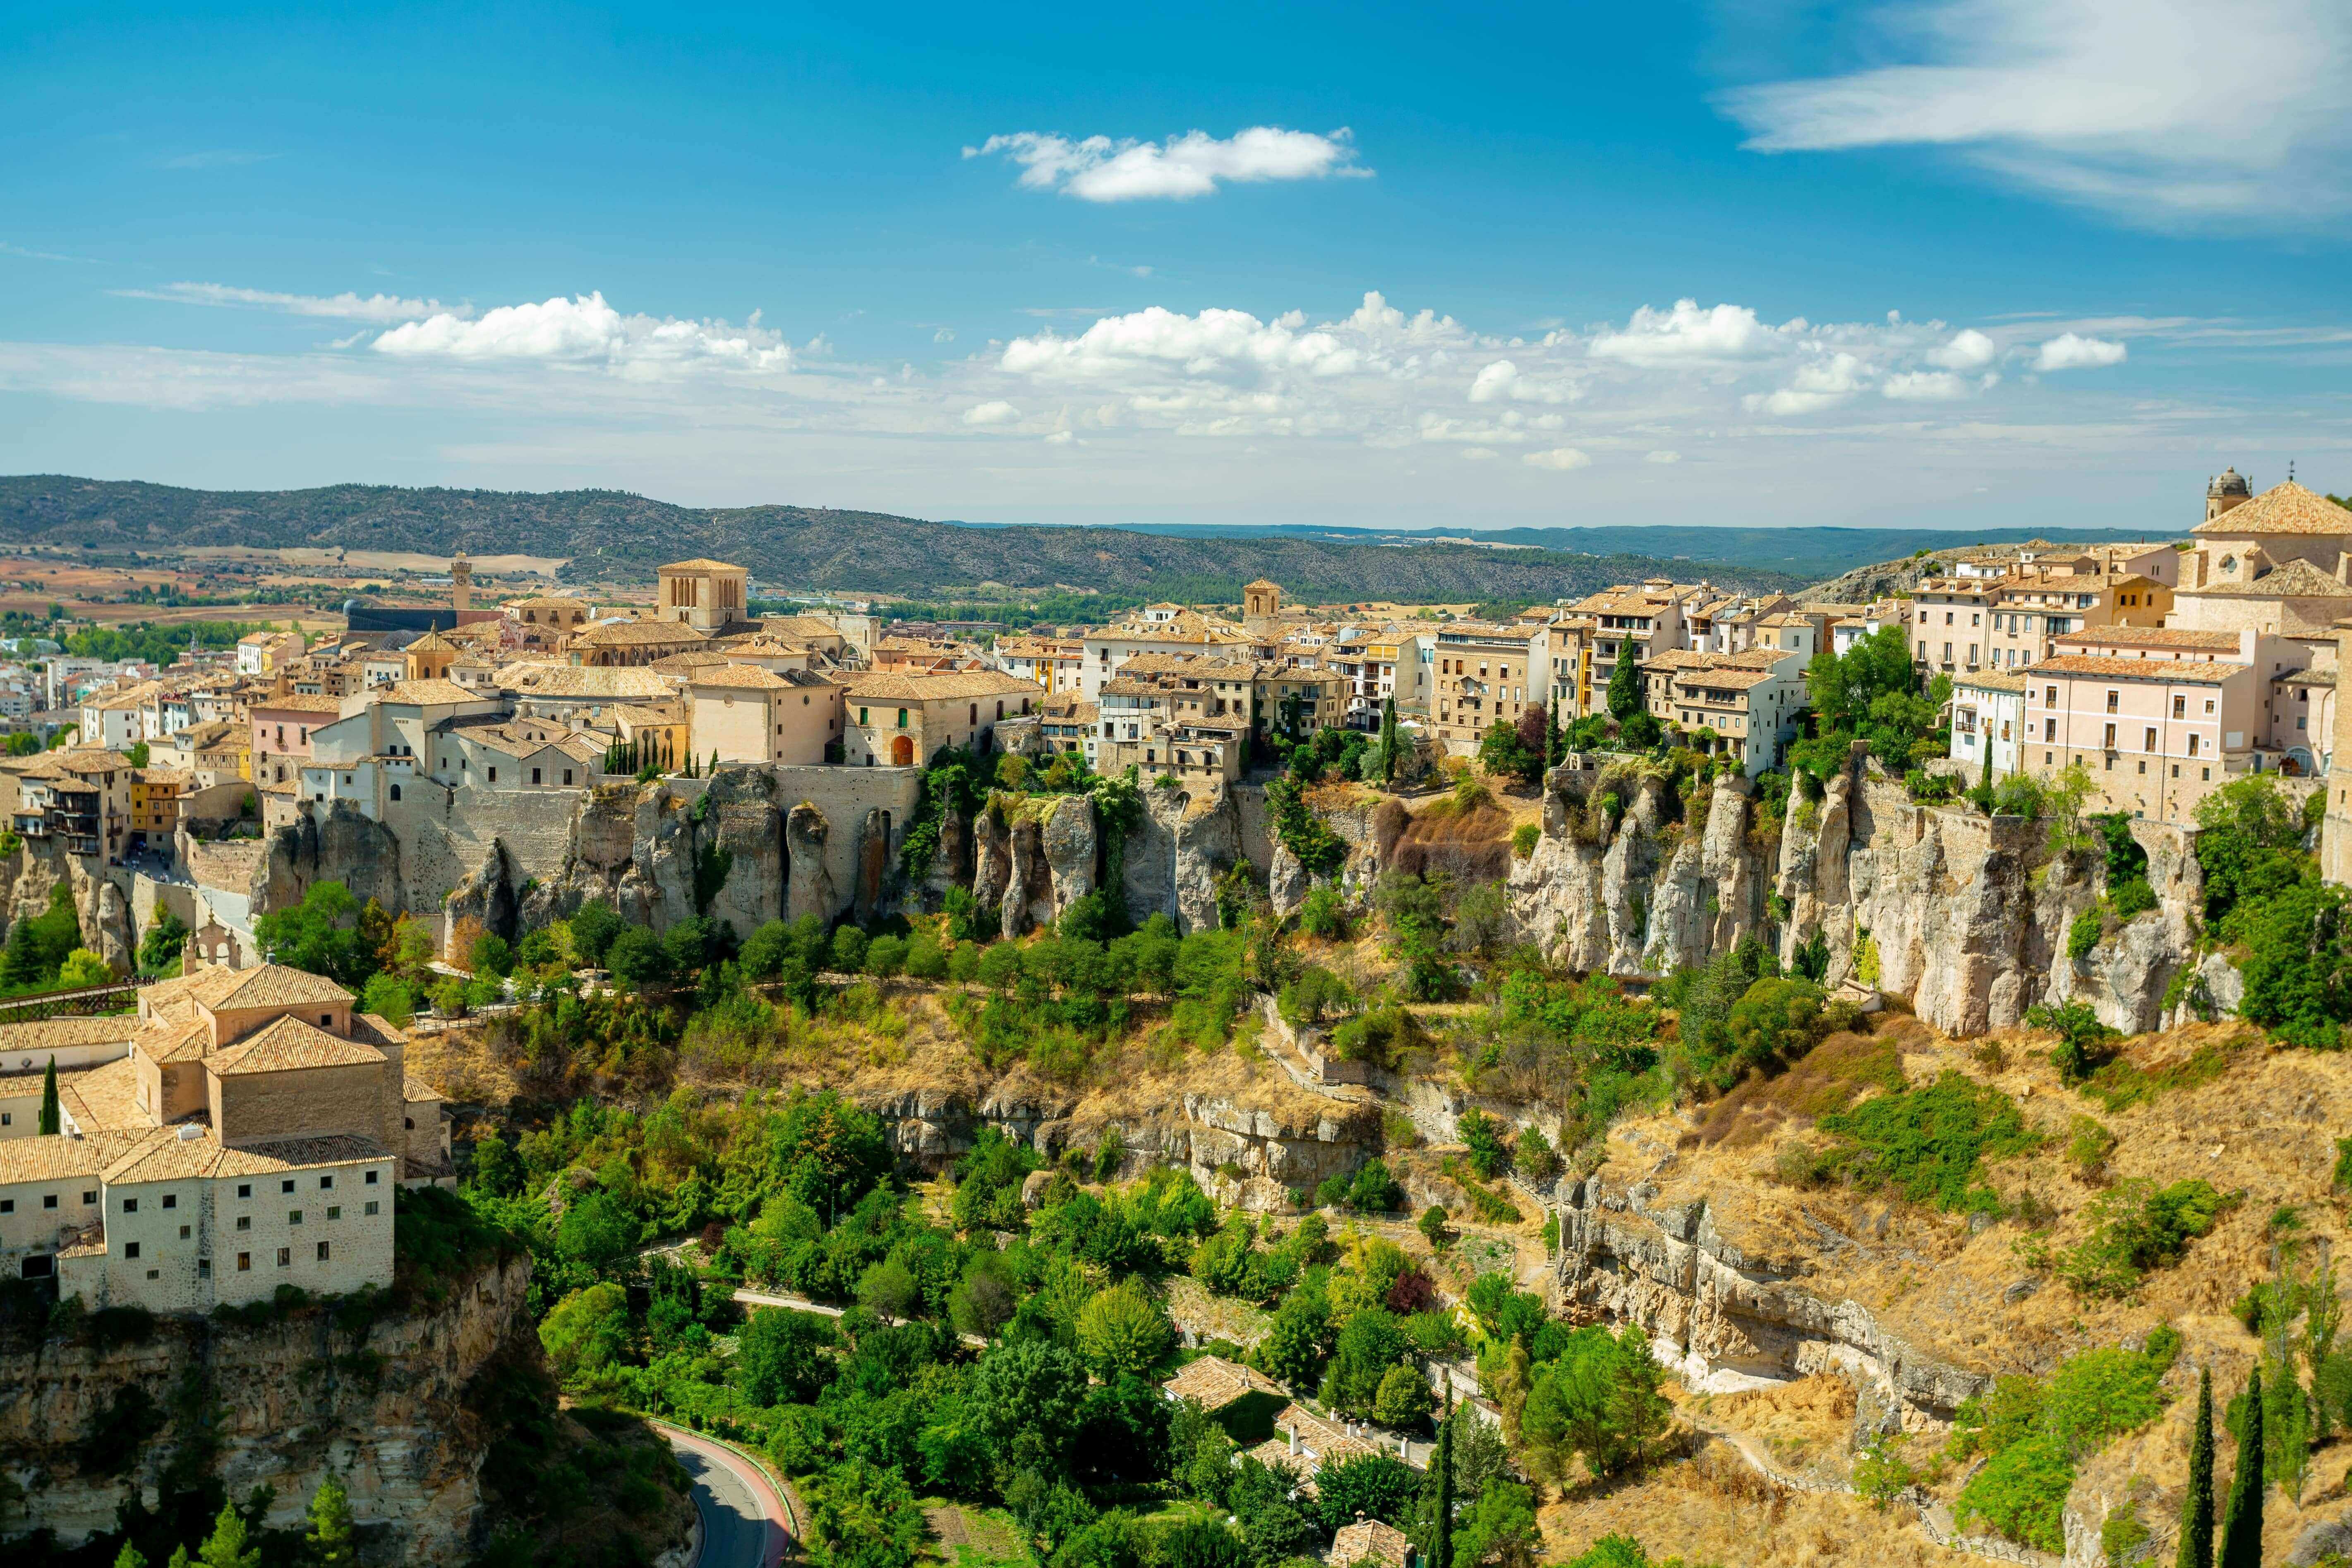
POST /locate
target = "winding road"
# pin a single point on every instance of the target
(745, 1523)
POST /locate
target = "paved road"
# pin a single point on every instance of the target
(744, 1524)
(750, 1298)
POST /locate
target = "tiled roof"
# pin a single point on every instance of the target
(759, 644)
(1992, 681)
(431, 642)
(1723, 677)
(942, 686)
(104, 1099)
(423, 693)
(2295, 580)
(684, 664)
(2305, 677)
(55, 1034)
(416, 1091)
(182, 1036)
(698, 566)
(264, 985)
(2149, 637)
(164, 1155)
(43, 1159)
(1369, 1539)
(2283, 509)
(290, 1043)
(2199, 672)
(743, 678)
(607, 681)
(297, 702)
(636, 634)
(800, 626)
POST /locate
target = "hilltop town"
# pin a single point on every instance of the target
(553, 911)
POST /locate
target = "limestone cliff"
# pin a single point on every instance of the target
(385, 1405)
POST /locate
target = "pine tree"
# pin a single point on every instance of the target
(227, 1546)
(2196, 1505)
(2241, 1527)
(330, 1525)
(129, 1557)
(51, 1120)
(1387, 740)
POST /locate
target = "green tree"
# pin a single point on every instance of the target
(320, 935)
(52, 1117)
(587, 1332)
(129, 1557)
(2196, 1502)
(1403, 1398)
(329, 1538)
(1625, 699)
(593, 927)
(1440, 1531)
(228, 1545)
(1774, 1024)
(1123, 1329)
(636, 959)
(2241, 1527)
(83, 967)
(1298, 1340)
(160, 947)
(783, 1357)
(1387, 740)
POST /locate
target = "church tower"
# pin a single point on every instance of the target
(461, 583)
(2227, 489)
(1261, 603)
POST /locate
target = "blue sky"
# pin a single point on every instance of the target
(1382, 265)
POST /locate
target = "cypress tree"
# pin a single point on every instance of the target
(2196, 1505)
(1387, 740)
(2241, 1527)
(51, 1122)
(1441, 1534)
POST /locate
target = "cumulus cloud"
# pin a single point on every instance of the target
(1098, 169)
(994, 412)
(586, 330)
(2181, 112)
(1824, 383)
(1924, 387)
(2070, 351)
(944, 335)
(346, 307)
(1213, 343)
(1662, 457)
(1502, 379)
(1687, 334)
(1557, 458)
(1968, 350)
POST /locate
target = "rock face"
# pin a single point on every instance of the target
(336, 845)
(1724, 1319)
(808, 888)
(483, 902)
(1174, 856)
(291, 1404)
(1067, 838)
(1964, 915)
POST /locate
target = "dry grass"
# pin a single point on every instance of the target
(1712, 1509)
(1831, 1077)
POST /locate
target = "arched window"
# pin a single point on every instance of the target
(395, 791)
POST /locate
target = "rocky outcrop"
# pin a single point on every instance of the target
(482, 903)
(386, 1408)
(1067, 839)
(873, 866)
(1727, 1320)
(808, 885)
(333, 842)
(742, 828)
(1173, 856)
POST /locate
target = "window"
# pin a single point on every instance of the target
(89, 1199)
(322, 1252)
(285, 1258)
(2209, 705)
(2111, 738)
(2179, 707)
(567, 772)
(327, 1183)
(335, 1213)
(534, 775)
(184, 1233)
(371, 1208)
(494, 774)
(2208, 772)
(130, 1206)
(2113, 699)
(293, 1217)
(371, 1178)
(48, 1200)
(244, 1262)
(130, 1249)
(2151, 740)
(7, 1205)
(287, 1186)
(245, 1222)
(245, 1189)
(2192, 745)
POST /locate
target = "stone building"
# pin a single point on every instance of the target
(901, 720)
(249, 1136)
(703, 594)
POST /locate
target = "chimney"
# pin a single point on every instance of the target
(2344, 567)
(1294, 1440)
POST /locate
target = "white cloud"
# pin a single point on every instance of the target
(2179, 110)
(1479, 454)
(586, 330)
(1502, 379)
(346, 307)
(2069, 351)
(1057, 438)
(1557, 458)
(1824, 383)
(1686, 333)
(944, 335)
(1968, 350)
(1211, 343)
(994, 412)
(1098, 169)
(1662, 457)
(1924, 387)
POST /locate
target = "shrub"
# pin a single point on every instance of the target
(2132, 898)
(2083, 935)
(2135, 1229)
(1432, 1227)
(1928, 1142)
(1524, 838)
(2082, 1038)
(2022, 1493)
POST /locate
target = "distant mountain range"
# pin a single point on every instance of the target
(612, 535)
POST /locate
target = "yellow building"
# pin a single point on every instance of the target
(743, 713)
(705, 595)
(901, 720)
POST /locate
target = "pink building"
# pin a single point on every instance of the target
(2157, 730)
(281, 733)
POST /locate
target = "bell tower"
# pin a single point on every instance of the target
(461, 583)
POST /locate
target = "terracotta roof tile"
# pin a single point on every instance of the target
(2188, 672)
(2283, 509)
(43, 1159)
(943, 686)
(287, 1044)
